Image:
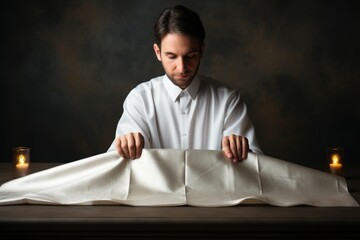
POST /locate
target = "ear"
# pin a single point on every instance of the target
(157, 51)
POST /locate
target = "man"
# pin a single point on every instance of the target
(182, 109)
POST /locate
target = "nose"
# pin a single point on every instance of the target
(181, 65)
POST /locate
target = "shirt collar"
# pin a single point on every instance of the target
(174, 91)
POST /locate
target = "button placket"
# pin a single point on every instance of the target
(184, 108)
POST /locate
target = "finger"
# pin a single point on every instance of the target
(139, 144)
(118, 147)
(238, 140)
(124, 147)
(131, 145)
(226, 148)
(245, 147)
(233, 148)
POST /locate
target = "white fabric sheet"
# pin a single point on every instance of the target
(163, 177)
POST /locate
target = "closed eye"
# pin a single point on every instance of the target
(192, 55)
(171, 55)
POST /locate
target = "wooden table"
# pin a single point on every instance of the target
(183, 222)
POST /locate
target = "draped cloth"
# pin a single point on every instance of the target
(168, 177)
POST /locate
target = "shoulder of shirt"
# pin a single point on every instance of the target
(148, 85)
(215, 85)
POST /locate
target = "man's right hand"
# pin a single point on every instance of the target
(130, 145)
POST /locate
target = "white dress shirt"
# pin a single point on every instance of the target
(197, 117)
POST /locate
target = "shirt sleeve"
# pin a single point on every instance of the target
(133, 119)
(238, 122)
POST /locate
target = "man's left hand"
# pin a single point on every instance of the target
(235, 147)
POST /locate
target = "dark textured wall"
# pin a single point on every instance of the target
(68, 65)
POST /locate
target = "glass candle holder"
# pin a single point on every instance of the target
(336, 160)
(21, 161)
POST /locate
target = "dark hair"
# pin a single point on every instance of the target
(178, 19)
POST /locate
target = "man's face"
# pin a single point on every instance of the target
(180, 56)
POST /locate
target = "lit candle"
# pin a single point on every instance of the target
(22, 167)
(335, 165)
(21, 161)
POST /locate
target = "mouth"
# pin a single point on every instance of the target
(185, 75)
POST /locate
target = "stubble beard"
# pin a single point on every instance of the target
(187, 81)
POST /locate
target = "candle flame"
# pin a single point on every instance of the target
(21, 159)
(335, 158)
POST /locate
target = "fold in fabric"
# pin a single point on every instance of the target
(167, 177)
(103, 177)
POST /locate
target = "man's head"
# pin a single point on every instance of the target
(180, 20)
(179, 43)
